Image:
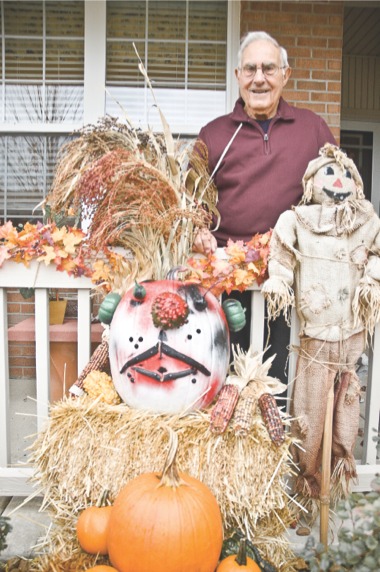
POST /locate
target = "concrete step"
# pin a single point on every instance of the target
(29, 525)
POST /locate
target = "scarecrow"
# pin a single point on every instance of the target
(324, 259)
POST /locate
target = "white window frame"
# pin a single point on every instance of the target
(95, 63)
(95, 73)
(373, 128)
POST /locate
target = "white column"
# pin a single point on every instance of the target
(94, 60)
(233, 43)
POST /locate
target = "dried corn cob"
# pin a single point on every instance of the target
(223, 409)
(244, 412)
(98, 361)
(272, 419)
(99, 384)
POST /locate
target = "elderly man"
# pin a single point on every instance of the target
(258, 155)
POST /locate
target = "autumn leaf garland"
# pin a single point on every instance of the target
(245, 263)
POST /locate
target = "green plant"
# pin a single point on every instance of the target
(5, 528)
(358, 546)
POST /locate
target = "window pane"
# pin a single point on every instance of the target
(23, 59)
(23, 18)
(207, 65)
(182, 44)
(359, 147)
(127, 22)
(166, 64)
(39, 104)
(65, 60)
(167, 20)
(27, 168)
(65, 18)
(33, 62)
(122, 63)
(208, 20)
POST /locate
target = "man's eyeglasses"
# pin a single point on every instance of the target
(268, 70)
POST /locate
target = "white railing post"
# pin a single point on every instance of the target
(84, 328)
(4, 382)
(42, 354)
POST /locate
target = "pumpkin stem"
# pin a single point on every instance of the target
(103, 498)
(241, 557)
(170, 475)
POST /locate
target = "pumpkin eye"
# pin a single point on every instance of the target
(329, 170)
(348, 174)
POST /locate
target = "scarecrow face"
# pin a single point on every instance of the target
(333, 185)
(169, 351)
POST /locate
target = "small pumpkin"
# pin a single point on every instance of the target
(231, 546)
(107, 307)
(238, 562)
(166, 523)
(92, 526)
(235, 314)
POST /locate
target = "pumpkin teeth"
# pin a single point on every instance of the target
(169, 311)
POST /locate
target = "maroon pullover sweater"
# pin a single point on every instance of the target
(260, 176)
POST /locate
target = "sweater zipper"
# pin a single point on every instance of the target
(266, 144)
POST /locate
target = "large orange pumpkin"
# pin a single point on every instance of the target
(92, 526)
(239, 562)
(166, 523)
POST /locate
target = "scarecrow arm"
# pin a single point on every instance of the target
(366, 302)
(277, 290)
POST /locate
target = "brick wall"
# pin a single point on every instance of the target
(22, 355)
(312, 33)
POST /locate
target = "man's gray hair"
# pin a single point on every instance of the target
(253, 37)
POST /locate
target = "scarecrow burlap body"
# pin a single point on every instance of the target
(329, 253)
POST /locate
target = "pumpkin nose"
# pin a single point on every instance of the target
(338, 183)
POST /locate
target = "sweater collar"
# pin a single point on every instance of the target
(284, 111)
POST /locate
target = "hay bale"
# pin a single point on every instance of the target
(88, 446)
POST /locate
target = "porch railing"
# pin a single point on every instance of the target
(14, 480)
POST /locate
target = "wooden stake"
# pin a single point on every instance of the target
(326, 469)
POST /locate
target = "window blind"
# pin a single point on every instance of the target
(43, 54)
(182, 44)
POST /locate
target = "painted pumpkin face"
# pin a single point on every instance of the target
(333, 185)
(169, 350)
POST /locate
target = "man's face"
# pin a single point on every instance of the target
(261, 93)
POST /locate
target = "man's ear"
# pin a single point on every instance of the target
(237, 73)
(287, 74)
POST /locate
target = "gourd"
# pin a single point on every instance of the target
(167, 522)
(107, 307)
(239, 562)
(169, 350)
(92, 526)
(139, 291)
(235, 314)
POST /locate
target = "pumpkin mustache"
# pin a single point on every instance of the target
(163, 348)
